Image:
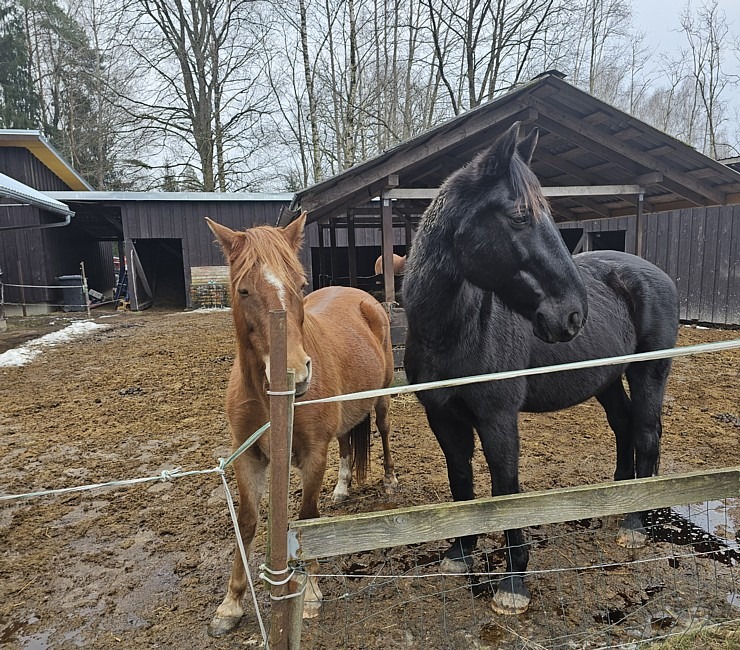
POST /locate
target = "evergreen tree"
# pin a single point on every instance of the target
(19, 102)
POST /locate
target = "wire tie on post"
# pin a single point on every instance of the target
(282, 572)
(264, 570)
(289, 596)
(276, 583)
(280, 393)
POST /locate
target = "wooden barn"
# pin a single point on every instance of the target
(612, 182)
(38, 243)
(172, 258)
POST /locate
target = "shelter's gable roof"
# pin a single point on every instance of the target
(39, 146)
(583, 142)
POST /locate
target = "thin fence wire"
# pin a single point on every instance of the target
(400, 584)
(673, 586)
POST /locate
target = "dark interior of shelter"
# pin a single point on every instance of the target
(162, 261)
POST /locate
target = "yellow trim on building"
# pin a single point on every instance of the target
(37, 144)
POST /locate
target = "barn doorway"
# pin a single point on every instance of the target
(571, 237)
(608, 240)
(162, 262)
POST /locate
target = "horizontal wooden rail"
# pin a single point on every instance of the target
(331, 536)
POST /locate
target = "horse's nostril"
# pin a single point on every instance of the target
(308, 370)
(574, 322)
(541, 322)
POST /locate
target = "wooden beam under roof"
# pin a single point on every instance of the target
(368, 183)
(607, 145)
(570, 191)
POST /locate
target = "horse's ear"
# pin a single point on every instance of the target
(228, 238)
(293, 232)
(527, 146)
(497, 161)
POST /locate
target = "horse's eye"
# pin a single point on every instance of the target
(519, 218)
(243, 292)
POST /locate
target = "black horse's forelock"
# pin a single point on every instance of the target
(527, 189)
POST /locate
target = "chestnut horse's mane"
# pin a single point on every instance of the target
(266, 246)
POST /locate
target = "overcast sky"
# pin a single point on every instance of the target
(660, 20)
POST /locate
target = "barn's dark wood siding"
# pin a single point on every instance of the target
(698, 248)
(45, 254)
(23, 166)
(185, 220)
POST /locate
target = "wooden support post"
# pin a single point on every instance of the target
(85, 288)
(133, 292)
(333, 251)
(386, 209)
(282, 385)
(351, 248)
(409, 231)
(23, 289)
(639, 226)
(321, 255)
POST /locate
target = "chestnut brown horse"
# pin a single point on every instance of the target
(338, 342)
(399, 264)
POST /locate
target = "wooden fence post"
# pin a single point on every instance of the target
(282, 396)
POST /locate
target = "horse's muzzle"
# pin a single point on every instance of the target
(552, 329)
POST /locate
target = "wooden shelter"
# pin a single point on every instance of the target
(39, 240)
(170, 256)
(594, 161)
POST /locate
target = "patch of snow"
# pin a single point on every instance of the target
(22, 355)
(206, 310)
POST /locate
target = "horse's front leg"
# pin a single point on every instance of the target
(251, 479)
(455, 437)
(499, 436)
(390, 482)
(312, 467)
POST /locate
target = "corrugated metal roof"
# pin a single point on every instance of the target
(172, 196)
(24, 194)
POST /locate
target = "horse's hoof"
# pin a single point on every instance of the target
(511, 598)
(631, 532)
(390, 486)
(458, 567)
(221, 626)
(311, 608)
(629, 538)
(338, 497)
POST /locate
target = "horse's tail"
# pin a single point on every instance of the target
(359, 444)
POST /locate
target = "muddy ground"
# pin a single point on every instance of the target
(146, 566)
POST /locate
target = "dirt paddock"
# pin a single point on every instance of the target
(146, 566)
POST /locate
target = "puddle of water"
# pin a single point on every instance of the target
(716, 518)
(710, 528)
(13, 635)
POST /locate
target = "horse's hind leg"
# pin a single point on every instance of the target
(251, 479)
(382, 406)
(619, 414)
(647, 382)
(344, 480)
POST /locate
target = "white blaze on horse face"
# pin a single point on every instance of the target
(275, 281)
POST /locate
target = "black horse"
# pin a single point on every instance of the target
(490, 286)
